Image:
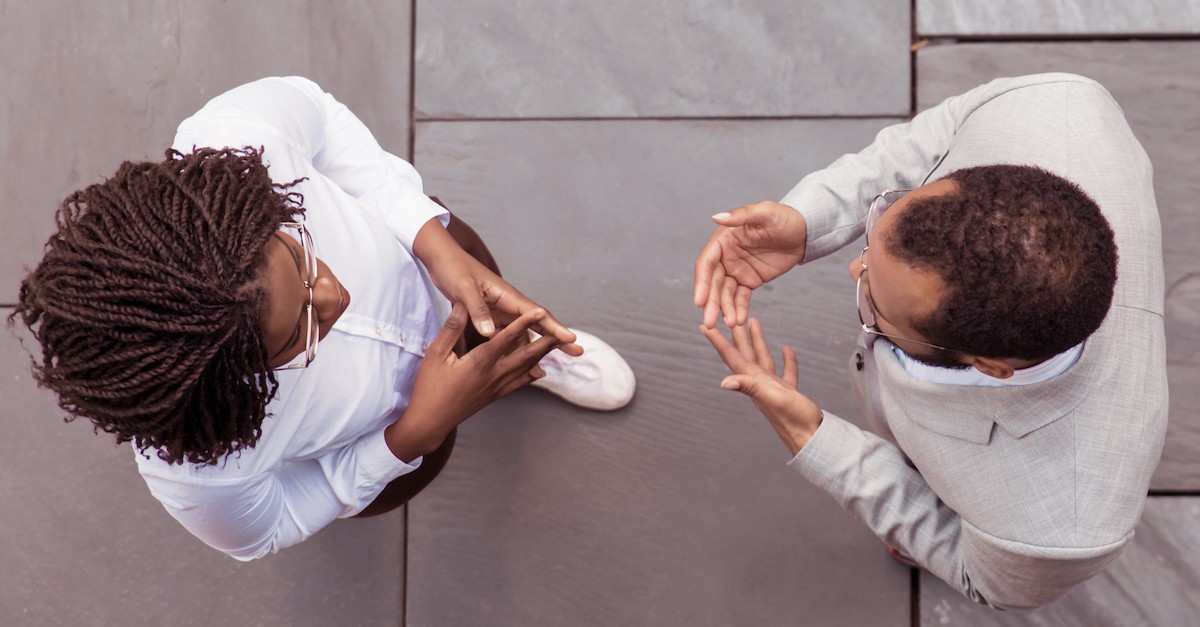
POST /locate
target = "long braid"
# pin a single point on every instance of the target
(147, 307)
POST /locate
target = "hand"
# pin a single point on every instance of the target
(794, 417)
(449, 389)
(753, 245)
(490, 300)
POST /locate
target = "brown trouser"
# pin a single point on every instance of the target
(403, 488)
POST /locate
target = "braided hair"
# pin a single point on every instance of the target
(147, 305)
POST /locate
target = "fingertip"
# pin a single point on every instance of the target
(730, 383)
(721, 217)
(486, 328)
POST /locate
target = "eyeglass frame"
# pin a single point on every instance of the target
(874, 212)
(312, 335)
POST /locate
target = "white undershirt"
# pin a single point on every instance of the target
(1044, 371)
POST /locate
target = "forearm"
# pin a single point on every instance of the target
(434, 245)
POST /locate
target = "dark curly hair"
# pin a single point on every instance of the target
(1029, 262)
(147, 307)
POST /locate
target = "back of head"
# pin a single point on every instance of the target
(1029, 261)
(146, 303)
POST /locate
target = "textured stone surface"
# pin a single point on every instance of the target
(628, 58)
(678, 510)
(90, 84)
(1153, 583)
(85, 543)
(1058, 17)
(1158, 86)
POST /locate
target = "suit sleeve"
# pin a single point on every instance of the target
(834, 200)
(299, 125)
(868, 476)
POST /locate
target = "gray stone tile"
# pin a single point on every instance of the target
(1157, 85)
(85, 543)
(678, 510)
(1057, 17)
(627, 58)
(1153, 583)
(90, 84)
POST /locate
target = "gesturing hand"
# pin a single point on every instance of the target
(752, 245)
(794, 417)
(449, 389)
(490, 301)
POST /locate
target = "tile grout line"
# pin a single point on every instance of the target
(412, 153)
(666, 118)
(1063, 38)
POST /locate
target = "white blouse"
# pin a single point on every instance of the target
(322, 453)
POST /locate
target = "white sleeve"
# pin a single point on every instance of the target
(292, 118)
(249, 517)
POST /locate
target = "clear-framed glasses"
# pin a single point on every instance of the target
(866, 308)
(312, 328)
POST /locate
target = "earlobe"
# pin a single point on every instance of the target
(994, 367)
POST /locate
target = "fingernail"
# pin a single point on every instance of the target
(487, 327)
(721, 216)
(730, 384)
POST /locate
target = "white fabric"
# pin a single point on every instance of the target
(1044, 371)
(322, 453)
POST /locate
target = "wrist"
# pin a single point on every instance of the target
(797, 433)
(433, 244)
(411, 437)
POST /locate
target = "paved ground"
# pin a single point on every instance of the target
(588, 142)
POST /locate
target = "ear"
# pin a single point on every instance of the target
(995, 367)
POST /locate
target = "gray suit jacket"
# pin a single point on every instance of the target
(1019, 493)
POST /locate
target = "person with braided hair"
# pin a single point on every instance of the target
(180, 306)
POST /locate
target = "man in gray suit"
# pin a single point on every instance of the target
(1012, 369)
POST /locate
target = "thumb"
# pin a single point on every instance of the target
(741, 216)
(741, 383)
(452, 330)
(481, 314)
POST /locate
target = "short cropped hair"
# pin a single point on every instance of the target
(1029, 261)
(147, 306)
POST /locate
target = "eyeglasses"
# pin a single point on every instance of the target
(312, 331)
(866, 308)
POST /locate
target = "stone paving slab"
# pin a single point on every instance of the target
(88, 85)
(85, 543)
(1152, 584)
(1158, 86)
(628, 58)
(678, 510)
(1057, 17)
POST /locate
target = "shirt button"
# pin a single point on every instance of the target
(379, 331)
(858, 361)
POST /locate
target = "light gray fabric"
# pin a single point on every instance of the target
(1019, 493)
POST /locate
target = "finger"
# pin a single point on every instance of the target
(727, 352)
(742, 342)
(762, 353)
(518, 329)
(791, 370)
(551, 326)
(452, 330)
(481, 314)
(736, 217)
(529, 355)
(516, 384)
(710, 258)
(741, 302)
(728, 287)
(712, 307)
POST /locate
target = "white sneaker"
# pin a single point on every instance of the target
(599, 379)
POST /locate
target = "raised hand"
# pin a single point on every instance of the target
(753, 245)
(449, 389)
(794, 417)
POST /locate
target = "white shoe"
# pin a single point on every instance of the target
(599, 379)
